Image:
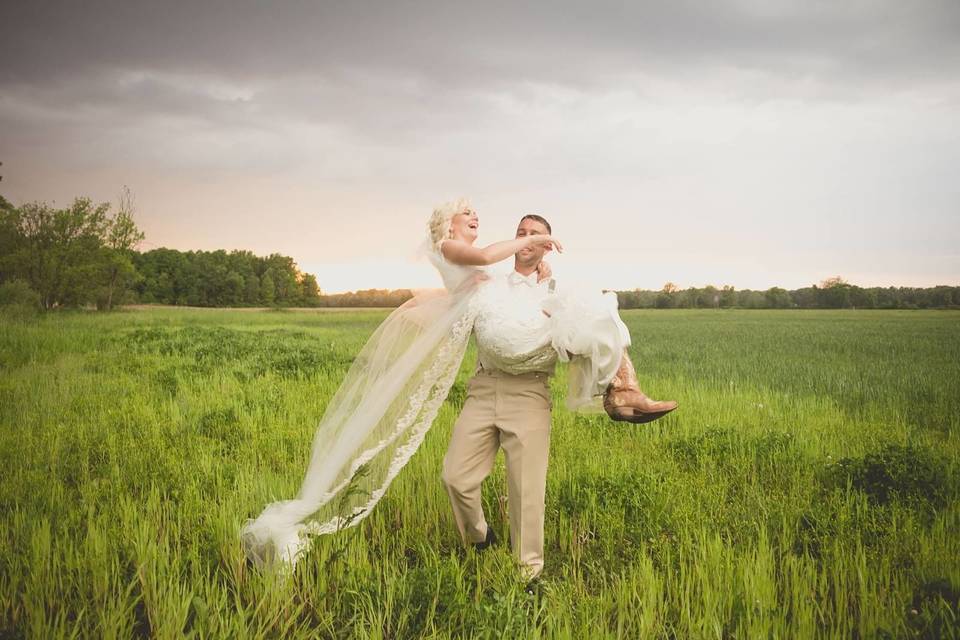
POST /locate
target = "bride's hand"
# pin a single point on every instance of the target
(543, 271)
(480, 276)
(549, 241)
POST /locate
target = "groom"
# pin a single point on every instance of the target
(508, 405)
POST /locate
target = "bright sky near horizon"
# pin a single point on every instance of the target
(745, 142)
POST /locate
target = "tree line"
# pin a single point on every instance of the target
(85, 255)
(222, 279)
(833, 293)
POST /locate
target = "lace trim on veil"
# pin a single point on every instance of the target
(426, 403)
(372, 427)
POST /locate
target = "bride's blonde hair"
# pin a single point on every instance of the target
(439, 225)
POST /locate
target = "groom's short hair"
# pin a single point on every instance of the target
(540, 219)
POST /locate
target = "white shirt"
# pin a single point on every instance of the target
(513, 333)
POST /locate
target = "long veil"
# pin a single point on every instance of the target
(372, 426)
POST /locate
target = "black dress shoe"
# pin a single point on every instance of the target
(533, 588)
(491, 539)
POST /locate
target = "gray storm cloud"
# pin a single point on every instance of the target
(738, 122)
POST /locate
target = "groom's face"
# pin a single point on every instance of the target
(531, 255)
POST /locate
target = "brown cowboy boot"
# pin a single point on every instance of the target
(624, 401)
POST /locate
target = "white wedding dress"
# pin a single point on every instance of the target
(582, 326)
(586, 331)
(391, 393)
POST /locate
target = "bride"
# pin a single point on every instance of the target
(391, 393)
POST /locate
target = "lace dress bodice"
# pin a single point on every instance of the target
(453, 275)
(513, 334)
(511, 330)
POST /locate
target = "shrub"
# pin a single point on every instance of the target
(18, 300)
(897, 472)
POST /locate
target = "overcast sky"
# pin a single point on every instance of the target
(744, 142)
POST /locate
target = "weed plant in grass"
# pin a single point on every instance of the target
(807, 486)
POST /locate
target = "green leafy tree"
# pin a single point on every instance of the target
(235, 289)
(708, 297)
(268, 289)
(251, 294)
(667, 298)
(122, 237)
(862, 298)
(11, 238)
(749, 299)
(944, 296)
(688, 298)
(777, 298)
(628, 299)
(59, 250)
(805, 298)
(309, 289)
(833, 293)
(728, 296)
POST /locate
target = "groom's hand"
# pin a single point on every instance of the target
(543, 271)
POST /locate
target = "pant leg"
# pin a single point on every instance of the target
(470, 456)
(523, 416)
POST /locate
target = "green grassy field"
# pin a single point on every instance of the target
(807, 486)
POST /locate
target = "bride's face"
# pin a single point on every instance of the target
(464, 226)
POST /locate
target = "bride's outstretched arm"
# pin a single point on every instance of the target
(459, 252)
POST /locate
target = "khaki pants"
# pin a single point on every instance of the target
(512, 412)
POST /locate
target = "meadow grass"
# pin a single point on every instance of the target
(807, 486)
